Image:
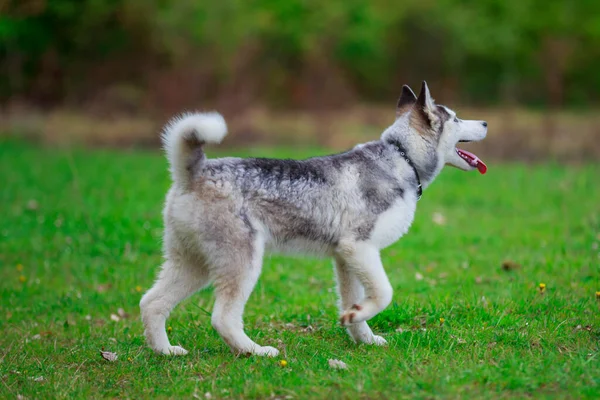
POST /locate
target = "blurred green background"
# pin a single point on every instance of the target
(301, 71)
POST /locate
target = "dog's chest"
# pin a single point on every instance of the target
(393, 223)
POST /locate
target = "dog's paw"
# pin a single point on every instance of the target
(378, 341)
(264, 351)
(174, 351)
(370, 339)
(351, 316)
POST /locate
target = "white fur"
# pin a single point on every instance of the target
(206, 127)
(392, 224)
(362, 261)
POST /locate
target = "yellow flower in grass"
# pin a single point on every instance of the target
(22, 279)
(138, 288)
(19, 267)
(598, 295)
(283, 363)
(542, 287)
(169, 330)
(442, 320)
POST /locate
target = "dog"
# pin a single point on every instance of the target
(221, 214)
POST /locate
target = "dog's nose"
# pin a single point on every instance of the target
(484, 124)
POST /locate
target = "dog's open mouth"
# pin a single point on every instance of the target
(472, 160)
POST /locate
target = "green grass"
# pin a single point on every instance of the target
(86, 228)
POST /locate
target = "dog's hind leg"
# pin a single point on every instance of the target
(363, 261)
(235, 273)
(176, 281)
(351, 292)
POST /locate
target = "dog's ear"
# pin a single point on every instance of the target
(424, 101)
(406, 101)
(424, 115)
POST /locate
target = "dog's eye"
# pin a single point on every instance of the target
(455, 119)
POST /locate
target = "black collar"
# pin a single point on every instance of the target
(404, 155)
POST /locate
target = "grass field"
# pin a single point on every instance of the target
(80, 239)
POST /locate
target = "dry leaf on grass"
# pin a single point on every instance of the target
(510, 265)
(337, 364)
(438, 218)
(32, 204)
(108, 355)
(103, 287)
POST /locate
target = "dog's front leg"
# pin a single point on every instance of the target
(363, 261)
(350, 292)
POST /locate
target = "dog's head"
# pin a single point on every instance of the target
(431, 133)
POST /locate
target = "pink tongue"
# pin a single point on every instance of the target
(473, 160)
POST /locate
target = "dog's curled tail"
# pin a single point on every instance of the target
(183, 138)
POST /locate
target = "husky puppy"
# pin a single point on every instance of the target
(221, 214)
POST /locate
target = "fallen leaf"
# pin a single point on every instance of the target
(108, 356)
(32, 205)
(458, 340)
(438, 218)
(122, 313)
(337, 364)
(508, 265)
(103, 287)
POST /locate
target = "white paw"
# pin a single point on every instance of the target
(174, 351)
(265, 351)
(378, 341)
(370, 339)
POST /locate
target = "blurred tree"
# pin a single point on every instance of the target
(298, 52)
